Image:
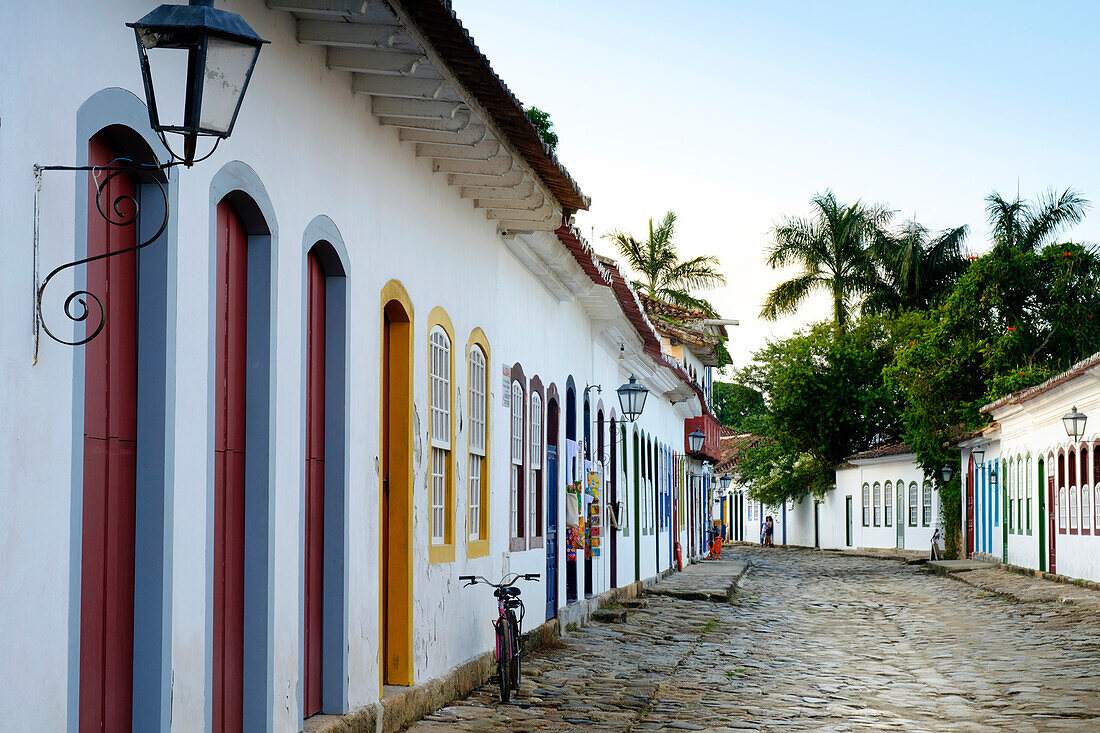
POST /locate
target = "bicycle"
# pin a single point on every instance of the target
(509, 640)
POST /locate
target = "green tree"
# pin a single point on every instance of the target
(738, 406)
(833, 249)
(666, 277)
(1016, 317)
(826, 399)
(545, 126)
(1029, 225)
(917, 269)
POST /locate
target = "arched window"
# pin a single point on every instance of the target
(440, 375)
(1086, 492)
(1028, 488)
(1010, 492)
(926, 503)
(517, 461)
(1062, 510)
(535, 467)
(888, 507)
(878, 503)
(866, 505)
(478, 477)
(1071, 485)
(1096, 485)
(913, 503)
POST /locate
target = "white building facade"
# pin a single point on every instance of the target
(366, 354)
(1030, 488)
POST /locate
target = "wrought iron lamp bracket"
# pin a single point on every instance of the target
(123, 210)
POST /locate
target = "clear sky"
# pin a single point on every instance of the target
(733, 114)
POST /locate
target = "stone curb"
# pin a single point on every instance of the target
(1016, 570)
(726, 597)
(396, 710)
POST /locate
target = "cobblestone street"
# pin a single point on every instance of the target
(812, 641)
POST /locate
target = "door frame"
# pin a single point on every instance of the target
(1042, 506)
(395, 489)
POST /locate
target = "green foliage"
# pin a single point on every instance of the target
(833, 250)
(738, 407)
(917, 269)
(542, 122)
(826, 399)
(666, 276)
(1015, 318)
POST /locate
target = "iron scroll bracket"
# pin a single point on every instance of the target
(123, 210)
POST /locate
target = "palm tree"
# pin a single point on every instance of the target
(918, 269)
(834, 250)
(1027, 226)
(666, 276)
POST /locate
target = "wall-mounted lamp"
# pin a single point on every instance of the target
(1074, 423)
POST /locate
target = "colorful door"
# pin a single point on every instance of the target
(900, 515)
(315, 485)
(229, 450)
(848, 521)
(970, 489)
(1004, 511)
(1052, 526)
(1042, 525)
(396, 560)
(552, 527)
(110, 465)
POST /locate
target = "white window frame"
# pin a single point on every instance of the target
(888, 504)
(866, 504)
(913, 507)
(926, 504)
(534, 465)
(477, 377)
(878, 504)
(440, 412)
(516, 456)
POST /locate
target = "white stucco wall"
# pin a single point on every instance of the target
(317, 150)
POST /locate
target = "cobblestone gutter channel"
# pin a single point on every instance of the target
(401, 706)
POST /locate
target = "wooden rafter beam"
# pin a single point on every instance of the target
(339, 33)
(344, 58)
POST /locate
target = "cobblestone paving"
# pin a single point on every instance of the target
(813, 641)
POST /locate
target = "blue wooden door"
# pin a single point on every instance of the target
(551, 531)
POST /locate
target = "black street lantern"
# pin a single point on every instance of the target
(725, 480)
(221, 53)
(632, 398)
(947, 472)
(1074, 423)
(695, 440)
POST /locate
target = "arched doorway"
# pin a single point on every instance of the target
(396, 487)
(552, 422)
(325, 571)
(573, 471)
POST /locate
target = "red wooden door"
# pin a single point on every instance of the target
(1052, 523)
(110, 442)
(315, 483)
(229, 445)
(970, 508)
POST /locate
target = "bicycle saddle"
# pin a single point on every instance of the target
(510, 591)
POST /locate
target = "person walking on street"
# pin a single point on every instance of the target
(769, 530)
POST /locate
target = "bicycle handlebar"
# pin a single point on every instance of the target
(506, 580)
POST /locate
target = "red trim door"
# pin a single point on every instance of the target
(110, 468)
(315, 483)
(229, 446)
(970, 508)
(1052, 523)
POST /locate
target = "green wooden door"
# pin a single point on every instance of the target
(900, 515)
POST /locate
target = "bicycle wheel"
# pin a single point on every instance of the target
(504, 657)
(517, 653)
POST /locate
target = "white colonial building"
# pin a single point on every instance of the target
(1031, 487)
(355, 353)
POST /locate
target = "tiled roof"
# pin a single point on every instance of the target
(441, 26)
(880, 451)
(583, 253)
(732, 445)
(1031, 393)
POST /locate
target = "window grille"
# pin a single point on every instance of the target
(476, 375)
(866, 505)
(534, 460)
(1072, 508)
(926, 506)
(1062, 510)
(912, 503)
(888, 507)
(878, 503)
(440, 430)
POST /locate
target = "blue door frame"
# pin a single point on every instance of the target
(551, 532)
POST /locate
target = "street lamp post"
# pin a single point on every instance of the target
(1074, 423)
(632, 398)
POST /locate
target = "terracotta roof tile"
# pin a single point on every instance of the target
(454, 44)
(1030, 393)
(880, 451)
